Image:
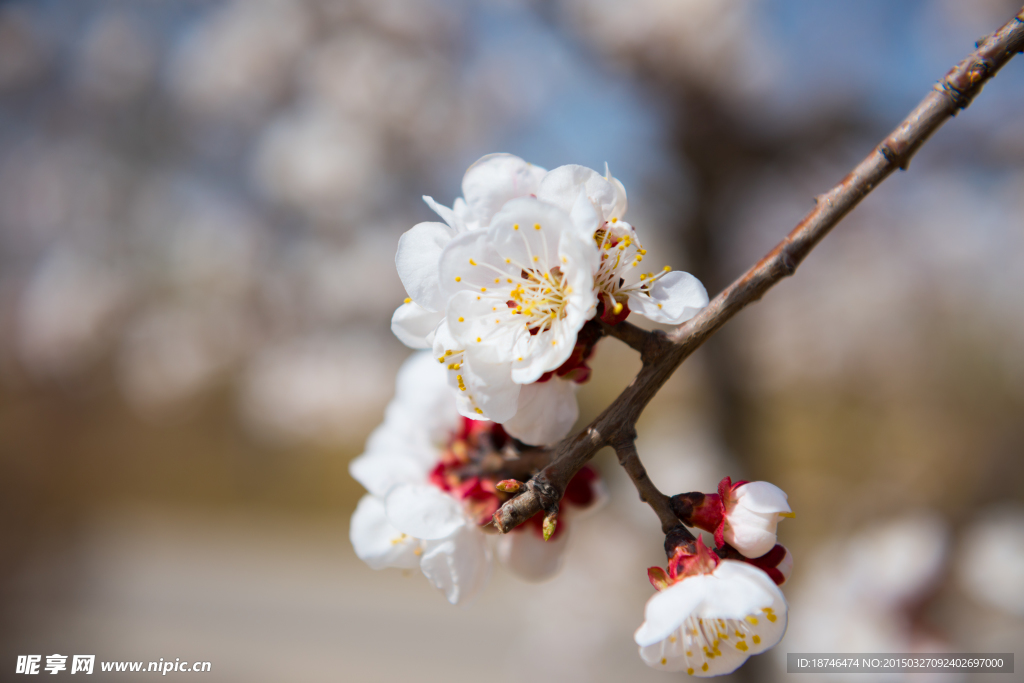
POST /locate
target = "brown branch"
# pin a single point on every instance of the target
(954, 92)
(625, 448)
(639, 339)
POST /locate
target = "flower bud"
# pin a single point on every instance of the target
(508, 485)
(550, 521)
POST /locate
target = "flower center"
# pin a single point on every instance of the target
(473, 442)
(540, 298)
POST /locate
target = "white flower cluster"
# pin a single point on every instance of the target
(715, 609)
(502, 289)
(426, 507)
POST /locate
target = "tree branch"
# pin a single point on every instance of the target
(953, 93)
(625, 449)
(647, 343)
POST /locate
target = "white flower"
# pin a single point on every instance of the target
(666, 296)
(420, 511)
(752, 514)
(501, 290)
(712, 618)
(487, 185)
(521, 290)
(743, 514)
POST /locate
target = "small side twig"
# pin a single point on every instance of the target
(950, 95)
(625, 449)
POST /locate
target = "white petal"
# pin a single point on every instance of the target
(414, 325)
(470, 264)
(562, 185)
(419, 253)
(494, 180)
(529, 556)
(423, 511)
(585, 217)
(667, 610)
(458, 566)
(543, 352)
(489, 388)
(739, 589)
(420, 419)
(674, 298)
(751, 534)
(619, 209)
(449, 216)
(379, 472)
(483, 323)
(376, 541)
(761, 496)
(514, 233)
(546, 412)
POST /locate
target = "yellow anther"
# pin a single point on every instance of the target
(751, 620)
(520, 358)
(458, 279)
(509, 280)
(535, 259)
(565, 260)
(461, 319)
(536, 226)
(689, 671)
(478, 339)
(496, 321)
(554, 343)
(441, 359)
(478, 411)
(659, 305)
(643, 252)
(400, 539)
(643, 276)
(472, 262)
(742, 645)
(417, 552)
(515, 227)
(756, 639)
(508, 260)
(672, 639)
(483, 289)
(664, 661)
(498, 279)
(789, 515)
(448, 353)
(704, 666)
(407, 300)
(614, 219)
(667, 268)
(622, 245)
(617, 308)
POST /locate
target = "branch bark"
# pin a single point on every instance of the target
(625, 448)
(661, 356)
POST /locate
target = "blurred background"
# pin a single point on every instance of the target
(200, 202)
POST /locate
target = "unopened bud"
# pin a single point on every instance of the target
(508, 485)
(550, 521)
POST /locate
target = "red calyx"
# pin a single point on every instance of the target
(769, 563)
(690, 563)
